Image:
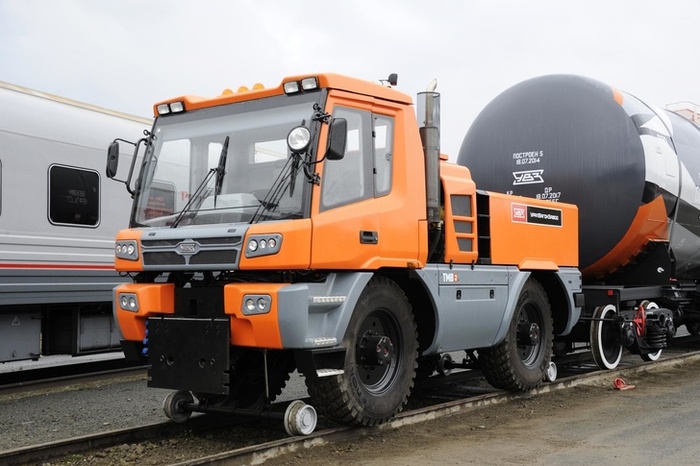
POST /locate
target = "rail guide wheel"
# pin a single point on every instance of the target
(300, 418)
(605, 337)
(445, 365)
(550, 375)
(174, 406)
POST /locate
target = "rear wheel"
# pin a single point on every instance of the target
(380, 362)
(520, 361)
(605, 338)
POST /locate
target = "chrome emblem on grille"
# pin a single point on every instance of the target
(187, 248)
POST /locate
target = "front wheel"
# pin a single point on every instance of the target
(380, 361)
(520, 361)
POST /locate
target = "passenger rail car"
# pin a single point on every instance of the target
(58, 219)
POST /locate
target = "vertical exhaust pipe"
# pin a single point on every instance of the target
(428, 105)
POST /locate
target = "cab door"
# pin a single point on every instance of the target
(362, 217)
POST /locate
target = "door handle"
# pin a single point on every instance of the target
(369, 237)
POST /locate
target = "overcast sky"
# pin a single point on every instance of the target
(127, 54)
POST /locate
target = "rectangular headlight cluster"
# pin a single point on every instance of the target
(172, 107)
(256, 304)
(306, 84)
(127, 249)
(128, 302)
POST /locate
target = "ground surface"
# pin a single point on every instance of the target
(656, 423)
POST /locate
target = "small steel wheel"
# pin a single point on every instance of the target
(445, 365)
(550, 374)
(300, 418)
(656, 354)
(605, 337)
(174, 406)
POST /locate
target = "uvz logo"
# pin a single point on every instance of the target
(528, 177)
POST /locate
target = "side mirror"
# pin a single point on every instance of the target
(337, 139)
(112, 159)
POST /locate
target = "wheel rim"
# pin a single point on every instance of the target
(656, 354)
(529, 335)
(606, 347)
(381, 329)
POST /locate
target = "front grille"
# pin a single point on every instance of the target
(212, 253)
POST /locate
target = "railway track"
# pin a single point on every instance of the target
(211, 439)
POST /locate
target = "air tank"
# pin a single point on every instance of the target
(632, 169)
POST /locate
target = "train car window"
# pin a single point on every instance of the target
(74, 196)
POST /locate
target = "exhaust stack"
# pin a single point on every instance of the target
(428, 104)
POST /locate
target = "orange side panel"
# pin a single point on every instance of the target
(259, 330)
(129, 266)
(295, 251)
(153, 298)
(457, 183)
(650, 224)
(532, 232)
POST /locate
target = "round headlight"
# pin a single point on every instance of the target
(262, 304)
(250, 305)
(298, 138)
(132, 303)
(124, 302)
(130, 249)
(272, 243)
(263, 244)
(253, 245)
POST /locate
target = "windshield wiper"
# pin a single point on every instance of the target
(219, 171)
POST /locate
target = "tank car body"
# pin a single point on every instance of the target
(58, 219)
(632, 169)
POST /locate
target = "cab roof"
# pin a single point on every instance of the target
(258, 91)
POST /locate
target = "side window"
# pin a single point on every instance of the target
(74, 196)
(383, 154)
(350, 179)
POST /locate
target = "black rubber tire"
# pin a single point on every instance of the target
(370, 395)
(510, 366)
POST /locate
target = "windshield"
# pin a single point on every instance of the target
(222, 164)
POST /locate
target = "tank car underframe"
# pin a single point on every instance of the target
(624, 317)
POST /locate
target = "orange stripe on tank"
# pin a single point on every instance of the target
(649, 225)
(617, 96)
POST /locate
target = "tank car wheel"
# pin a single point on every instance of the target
(299, 418)
(173, 406)
(380, 361)
(693, 328)
(650, 357)
(520, 361)
(605, 338)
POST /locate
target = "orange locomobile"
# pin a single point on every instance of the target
(316, 227)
